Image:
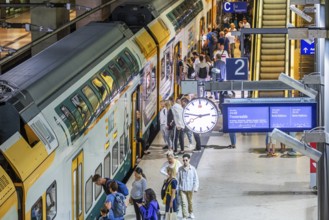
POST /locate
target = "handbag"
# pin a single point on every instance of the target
(171, 215)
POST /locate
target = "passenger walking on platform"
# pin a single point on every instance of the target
(270, 145)
(137, 134)
(179, 69)
(163, 124)
(231, 38)
(169, 188)
(223, 53)
(150, 210)
(177, 111)
(223, 40)
(196, 136)
(221, 66)
(170, 125)
(211, 43)
(137, 191)
(114, 212)
(171, 162)
(233, 140)
(105, 183)
(196, 59)
(188, 181)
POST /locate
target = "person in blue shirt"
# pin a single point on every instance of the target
(150, 209)
(109, 202)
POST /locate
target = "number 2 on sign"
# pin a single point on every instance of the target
(237, 72)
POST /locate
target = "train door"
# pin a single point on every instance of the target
(177, 50)
(77, 187)
(203, 31)
(134, 145)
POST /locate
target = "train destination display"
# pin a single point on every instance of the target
(264, 117)
(248, 117)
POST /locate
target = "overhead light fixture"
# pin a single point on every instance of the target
(296, 144)
(298, 86)
(300, 13)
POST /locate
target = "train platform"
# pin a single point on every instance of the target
(241, 183)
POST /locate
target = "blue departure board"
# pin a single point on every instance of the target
(247, 117)
(264, 117)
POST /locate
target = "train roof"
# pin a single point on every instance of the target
(68, 59)
(136, 14)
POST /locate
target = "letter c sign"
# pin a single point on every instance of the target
(227, 7)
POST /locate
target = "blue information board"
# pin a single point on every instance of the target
(307, 47)
(264, 117)
(235, 7)
(237, 68)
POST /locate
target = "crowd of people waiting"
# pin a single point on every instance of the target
(177, 190)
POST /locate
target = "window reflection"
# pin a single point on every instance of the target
(51, 201)
(36, 211)
(101, 90)
(82, 108)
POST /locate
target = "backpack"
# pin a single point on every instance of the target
(119, 205)
(202, 72)
(166, 189)
(214, 39)
(190, 71)
(122, 188)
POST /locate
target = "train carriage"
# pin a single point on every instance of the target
(69, 111)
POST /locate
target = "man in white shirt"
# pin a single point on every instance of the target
(223, 53)
(163, 124)
(171, 162)
(188, 182)
(177, 111)
(232, 42)
(245, 23)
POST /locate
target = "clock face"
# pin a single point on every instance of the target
(200, 115)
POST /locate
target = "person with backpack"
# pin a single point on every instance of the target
(150, 210)
(105, 183)
(211, 43)
(169, 194)
(115, 203)
(202, 70)
(137, 190)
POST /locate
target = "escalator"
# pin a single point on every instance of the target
(271, 53)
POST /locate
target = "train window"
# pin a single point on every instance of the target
(120, 77)
(92, 98)
(82, 108)
(122, 148)
(89, 194)
(51, 201)
(101, 90)
(98, 189)
(109, 81)
(36, 211)
(107, 165)
(115, 159)
(132, 59)
(70, 122)
(124, 66)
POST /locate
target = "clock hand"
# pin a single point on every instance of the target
(193, 114)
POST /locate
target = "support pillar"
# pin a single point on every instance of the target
(323, 164)
(48, 18)
(100, 15)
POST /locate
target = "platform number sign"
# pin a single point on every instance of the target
(237, 68)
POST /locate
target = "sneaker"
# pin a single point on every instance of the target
(196, 150)
(147, 152)
(190, 146)
(192, 215)
(181, 152)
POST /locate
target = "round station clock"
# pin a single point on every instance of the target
(200, 115)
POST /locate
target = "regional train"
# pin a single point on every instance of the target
(69, 112)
